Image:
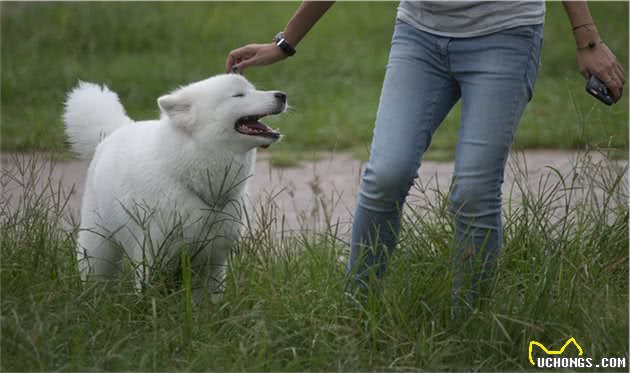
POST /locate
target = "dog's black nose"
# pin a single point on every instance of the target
(281, 95)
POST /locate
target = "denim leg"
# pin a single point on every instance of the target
(496, 74)
(417, 94)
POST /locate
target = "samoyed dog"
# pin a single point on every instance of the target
(155, 188)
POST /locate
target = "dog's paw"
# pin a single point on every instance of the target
(216, 298)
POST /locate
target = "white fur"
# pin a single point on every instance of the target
(92, 113)
(147, 178)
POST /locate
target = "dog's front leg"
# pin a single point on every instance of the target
(97, 256)
(215, 281)
(211, 276)
(141, 259)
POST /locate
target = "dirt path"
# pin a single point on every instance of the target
(326, 189)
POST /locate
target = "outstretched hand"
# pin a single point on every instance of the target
(253, 55)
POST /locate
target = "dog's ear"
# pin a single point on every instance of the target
(178, 109)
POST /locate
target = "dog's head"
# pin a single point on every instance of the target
(224, 109)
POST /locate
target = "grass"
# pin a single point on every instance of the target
(142, 50)
(563, 273)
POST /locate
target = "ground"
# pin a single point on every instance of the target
(324, 190)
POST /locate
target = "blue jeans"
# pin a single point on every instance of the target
(426, 75)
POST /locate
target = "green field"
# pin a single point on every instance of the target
(563, 273)
(143, 50)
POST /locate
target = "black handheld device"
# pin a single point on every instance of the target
(598, 89)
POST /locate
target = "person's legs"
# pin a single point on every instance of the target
(496, 74)
(417, 94)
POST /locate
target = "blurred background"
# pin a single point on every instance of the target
(142, 50)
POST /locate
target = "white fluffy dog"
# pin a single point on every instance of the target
(155, 187)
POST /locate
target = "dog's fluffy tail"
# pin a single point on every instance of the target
(91, 113)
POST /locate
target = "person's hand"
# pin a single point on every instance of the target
(253, 55)
(601, 62)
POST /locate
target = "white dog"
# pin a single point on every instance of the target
(155, 187)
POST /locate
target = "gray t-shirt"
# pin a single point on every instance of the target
(462, 19)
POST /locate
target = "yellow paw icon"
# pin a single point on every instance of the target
(553, 352)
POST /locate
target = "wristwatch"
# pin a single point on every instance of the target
(282, 43)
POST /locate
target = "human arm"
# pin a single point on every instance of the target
(595, 59)
(305, 17)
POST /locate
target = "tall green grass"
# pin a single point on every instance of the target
(563, 273)
(142, 50)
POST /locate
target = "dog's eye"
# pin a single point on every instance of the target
(238, 95)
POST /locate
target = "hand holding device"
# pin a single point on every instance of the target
(598, 89)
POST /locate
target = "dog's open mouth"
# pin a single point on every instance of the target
(251, 126)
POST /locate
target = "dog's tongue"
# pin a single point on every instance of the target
(256, 125)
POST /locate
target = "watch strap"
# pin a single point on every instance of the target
(283, 44)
